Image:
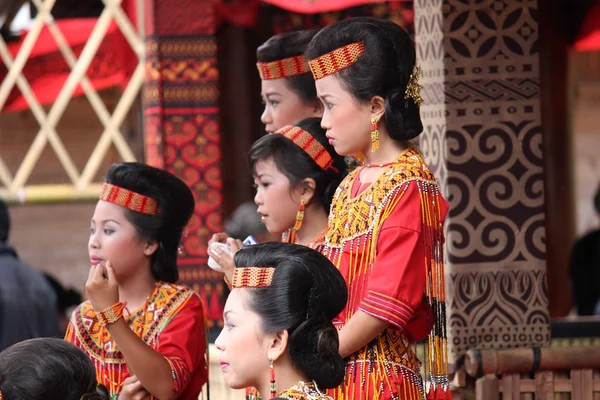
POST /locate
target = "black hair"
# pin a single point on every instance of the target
(291, 44)
(306, 293)
(4, 222)
(49, 369)
(297, 165)
(384, 68)
(176, 204)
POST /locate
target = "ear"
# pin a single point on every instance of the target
(377, 104)
(308, 189)
(150, 248)
(278, 345)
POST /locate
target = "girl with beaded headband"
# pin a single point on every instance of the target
(287, 86)
(278, 334)
(48, 369)
(145, 335)
(296, 173)
(385, 231)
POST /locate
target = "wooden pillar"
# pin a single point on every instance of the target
(483, 137)
(558, 156)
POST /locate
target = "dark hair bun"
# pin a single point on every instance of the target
(305, 284)
(314, 347)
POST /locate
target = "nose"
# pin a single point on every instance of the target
(219, 341)
(266, 117)
(258, 198)
(93, 242)
(325, 121)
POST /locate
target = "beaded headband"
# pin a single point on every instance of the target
(336, 60)
(284, 68)
(252, 277)
(128, 199)
(310, 145)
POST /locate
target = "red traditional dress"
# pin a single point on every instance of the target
(386, 239)
(171, 322)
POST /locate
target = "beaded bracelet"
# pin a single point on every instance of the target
(111, 314)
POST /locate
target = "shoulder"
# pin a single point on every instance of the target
(173, 298)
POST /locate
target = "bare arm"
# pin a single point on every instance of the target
(359, 331)
(150, 367)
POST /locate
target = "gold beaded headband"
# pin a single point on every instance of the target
(252, 277)
(345, 56)
(336, 60)
(310, 145)
(284, 68)
(128, 199)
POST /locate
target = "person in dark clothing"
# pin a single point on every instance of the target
(66, 301)
(585, 269)
(27, 302)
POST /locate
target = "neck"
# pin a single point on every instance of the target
(135, 290)
(285, 377)
(389, 149)
(315, 222)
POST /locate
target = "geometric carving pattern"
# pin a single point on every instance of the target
(483, 139)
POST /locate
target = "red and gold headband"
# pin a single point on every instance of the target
(128, 199)
(252, 277)
(336, 60)
(282, 68)
(310, 145)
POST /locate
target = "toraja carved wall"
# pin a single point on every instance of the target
(483, 138)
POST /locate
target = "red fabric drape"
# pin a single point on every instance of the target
(589, 35)
(181, 128)
(322, 6)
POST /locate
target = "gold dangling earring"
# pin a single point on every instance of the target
(272, 380)
(299, 218)
(374, 135)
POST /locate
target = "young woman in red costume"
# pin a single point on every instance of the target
(385, 231)
(287, 86)
(144, 333)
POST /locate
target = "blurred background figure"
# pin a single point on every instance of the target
(245, 221)
(28, 307)
(585, 269)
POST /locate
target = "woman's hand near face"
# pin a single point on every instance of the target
(222, 257)
(102, 287)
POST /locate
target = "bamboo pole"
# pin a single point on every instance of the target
(43, 194)
(510, 361)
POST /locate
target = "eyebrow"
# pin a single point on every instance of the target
(262, 175)
(327, 95)
(228, 312)
(107, 220)
(273, 94)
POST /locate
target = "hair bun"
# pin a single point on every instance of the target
(314, 345)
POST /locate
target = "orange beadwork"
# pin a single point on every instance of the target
(401, 212)
(336, 60)
(310, 145)
(284, 68)
(111, 314)
(252, 277)
(128, 199)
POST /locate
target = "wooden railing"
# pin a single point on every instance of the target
(535, 374)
